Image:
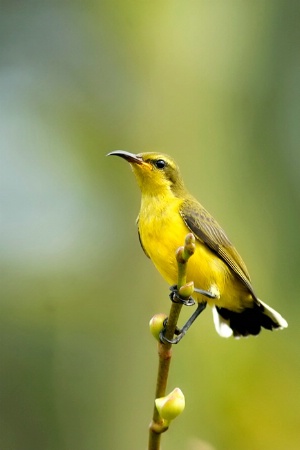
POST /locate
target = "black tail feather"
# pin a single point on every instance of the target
(250, 320)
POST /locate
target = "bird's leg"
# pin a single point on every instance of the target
(186, 326)
(208, 294)
(175, 297)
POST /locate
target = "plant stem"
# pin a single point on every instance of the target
(157, 425)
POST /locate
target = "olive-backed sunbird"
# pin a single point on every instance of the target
(168, 213)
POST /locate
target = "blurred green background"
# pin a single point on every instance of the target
(216, 85)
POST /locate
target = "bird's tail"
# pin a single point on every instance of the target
(248, 321)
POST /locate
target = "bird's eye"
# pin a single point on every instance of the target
(160, 164)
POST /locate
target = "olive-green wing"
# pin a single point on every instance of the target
(206, 229)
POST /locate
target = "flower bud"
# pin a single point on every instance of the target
(180, 255)
(157, 324)
(171, 406)
(187, 290)
(189, 244)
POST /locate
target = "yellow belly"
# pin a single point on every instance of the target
(163, 232)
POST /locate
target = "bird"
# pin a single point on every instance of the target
(167, 213)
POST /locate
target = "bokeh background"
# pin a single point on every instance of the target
(216, 85)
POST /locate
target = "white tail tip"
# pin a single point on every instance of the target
(221, 324)
(274, 315)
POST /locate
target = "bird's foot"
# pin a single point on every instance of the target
(165, 340)
(181, 332)
(175, 297)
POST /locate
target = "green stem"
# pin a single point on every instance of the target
(157, 425)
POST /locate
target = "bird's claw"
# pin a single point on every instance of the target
(165, 340)
(175, 297)
(181, 332)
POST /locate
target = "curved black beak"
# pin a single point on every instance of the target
(130, 157)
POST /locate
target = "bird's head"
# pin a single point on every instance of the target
(156, 173)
